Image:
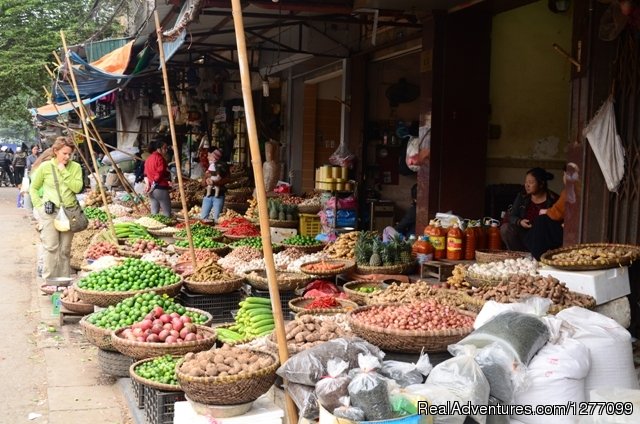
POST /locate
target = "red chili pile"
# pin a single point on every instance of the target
(323, 302)
(245, 229)
(428, 315)
(232, 222)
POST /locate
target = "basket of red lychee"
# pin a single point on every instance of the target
(160, 334)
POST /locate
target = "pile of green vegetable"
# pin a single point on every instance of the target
(161, 369)
(132, 274)
(300, 240)
(96, 213)
(201, 242)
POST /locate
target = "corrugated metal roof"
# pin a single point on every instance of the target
(97, 49)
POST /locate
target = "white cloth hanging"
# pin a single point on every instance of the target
(606, 144)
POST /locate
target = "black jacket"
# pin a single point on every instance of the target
(521, 203)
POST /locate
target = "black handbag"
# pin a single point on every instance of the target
(77, 219)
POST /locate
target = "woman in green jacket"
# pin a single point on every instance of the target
(46, 201)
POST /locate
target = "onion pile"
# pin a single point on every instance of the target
(426, 316)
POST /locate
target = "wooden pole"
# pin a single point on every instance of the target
(167, 94)
(261, 194)
(86, 133)
(103, 147)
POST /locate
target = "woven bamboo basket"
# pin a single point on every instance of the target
(489, 255)
(216, 250)
(359, 297)
(283, 223)
(77, 307)
(306, 249)
(229, 390)
(347, 266)
(409, 341)
(476, 303)
(100, 337)
(234, 237)
(163, 234)
(299, 304)
(114, 363)
(142, 350)
(151, 383)
(213, 287)
(632, 254)
(47, 289)
(257, 278)
(477, 280)
(309, 209)
(105, 298)
(390, 270)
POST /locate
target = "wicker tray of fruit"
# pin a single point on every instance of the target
(591, 256)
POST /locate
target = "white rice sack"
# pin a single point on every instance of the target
(555, 376)
(609, 346)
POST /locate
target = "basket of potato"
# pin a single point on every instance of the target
(227, 376)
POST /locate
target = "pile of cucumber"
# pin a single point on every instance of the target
(254, 319)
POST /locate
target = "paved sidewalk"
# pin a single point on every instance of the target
(50, 373)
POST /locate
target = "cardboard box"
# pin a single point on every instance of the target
(604, 285)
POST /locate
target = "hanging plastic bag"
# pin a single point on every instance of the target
(330, 389)
(414, 147)
(342, 156)
(61, 222)
(368, 390)
(606, 144)
(347, 411)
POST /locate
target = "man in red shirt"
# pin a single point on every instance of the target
(158, 178)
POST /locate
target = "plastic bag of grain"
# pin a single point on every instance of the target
(503, 371)
(521, 334)
(462, 377)
(555, 376)
(406, 373)
(334, 386)
(368, 390)
(609, 347)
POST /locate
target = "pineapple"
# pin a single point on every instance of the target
(362, 249)
(387, 254)
(289, 212)
(375, 259)
(403, 250)
(282, 216)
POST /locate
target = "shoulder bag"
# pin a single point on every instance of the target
(77, 219)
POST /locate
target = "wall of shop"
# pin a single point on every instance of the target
(529, 94)
(382, 75)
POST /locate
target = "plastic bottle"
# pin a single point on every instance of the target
(428, 230)
(438, 239)
(422, 250)
(470, 241)
(481, 241)
(494, 241)
(455, 238)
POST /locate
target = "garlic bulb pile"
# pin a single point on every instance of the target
(502, 269)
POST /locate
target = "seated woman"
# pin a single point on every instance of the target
(547, 231)
(407, 225)
(526, 208)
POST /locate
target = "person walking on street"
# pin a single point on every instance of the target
(46, 200)
(31, 159)
(19, 164)
(5, 164)
(158, 178)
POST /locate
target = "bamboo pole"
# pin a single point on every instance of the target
(86, 133)
(102, 144)
(256, 163)
(174, 141)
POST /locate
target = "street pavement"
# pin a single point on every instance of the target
(50, 374)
